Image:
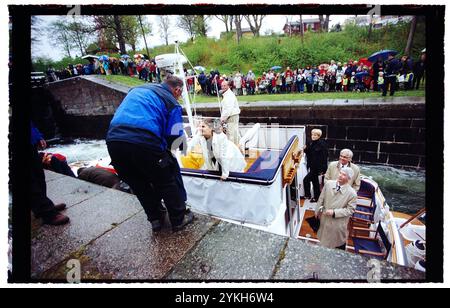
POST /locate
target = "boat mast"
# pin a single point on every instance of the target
(179, 71)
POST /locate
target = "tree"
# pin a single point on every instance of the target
(144, 30)
(238, 23)
(35, 29)
(131, 30)
(321, 22)
(187, 24)
(119, 32)
(59, 32)
(302, 30)
(324, 23)
(255, 22)
(412, 31)
(369, 32)
(79, 33)
(200, 26)
(164, 25)
(111, 29)
(227, 20)
(327, 22)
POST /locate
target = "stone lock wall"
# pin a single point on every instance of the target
(88, 105)
(389, 131)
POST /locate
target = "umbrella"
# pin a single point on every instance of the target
(365, 62)
(361, 74)
(381, 54)
(276, 67)
(125, 56)
(199, 68)
(89, 56)
(103, 58)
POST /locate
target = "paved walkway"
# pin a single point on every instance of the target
(110, 236)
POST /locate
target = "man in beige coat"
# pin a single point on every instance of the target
(336, 204)
(230, 113)
(335, 167)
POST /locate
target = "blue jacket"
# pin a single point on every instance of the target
(392, 67)
(149, 116)
(202, 78)
(36, 136)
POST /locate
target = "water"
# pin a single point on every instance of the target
(81, 150)
(404, 190)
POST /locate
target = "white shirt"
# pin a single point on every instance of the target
(227, 155)
(199, 139)
(230, 105)
(238, 81)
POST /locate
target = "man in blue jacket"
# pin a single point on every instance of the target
(391, 70)
(140, 136)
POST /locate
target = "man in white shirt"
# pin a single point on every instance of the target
(230, 113)
(334, 168)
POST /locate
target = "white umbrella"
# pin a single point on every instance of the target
(199, 68)
(89, 56)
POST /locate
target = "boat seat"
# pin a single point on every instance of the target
(377, 246)
(263, 169)
(366, 205)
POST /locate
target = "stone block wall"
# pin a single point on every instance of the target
(387, 131)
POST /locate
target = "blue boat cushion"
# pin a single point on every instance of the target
(362, 244)
(369, 212)
(264, 167)
(374, 246)
(366, 190)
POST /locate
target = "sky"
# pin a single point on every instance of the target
(46, 48)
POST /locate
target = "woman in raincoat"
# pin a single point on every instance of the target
(219, 153)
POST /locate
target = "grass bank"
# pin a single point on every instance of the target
(132, 82)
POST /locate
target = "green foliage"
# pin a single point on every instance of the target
(261, 53)
(42, 63)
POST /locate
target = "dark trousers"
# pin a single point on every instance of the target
(416, 81)
(41, 205)
(152, 176)
(389, 81)
(313, 177)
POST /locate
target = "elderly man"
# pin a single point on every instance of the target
(336, 204)
(230, 112)
(335, 167)
(139, 139)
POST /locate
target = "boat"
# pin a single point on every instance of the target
(267, 195)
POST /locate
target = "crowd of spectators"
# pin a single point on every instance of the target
(351, 76)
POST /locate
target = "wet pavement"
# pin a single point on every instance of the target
(111, 237)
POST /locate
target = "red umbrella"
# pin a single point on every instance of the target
(365, 62)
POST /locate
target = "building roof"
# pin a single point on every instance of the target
(305, 21)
